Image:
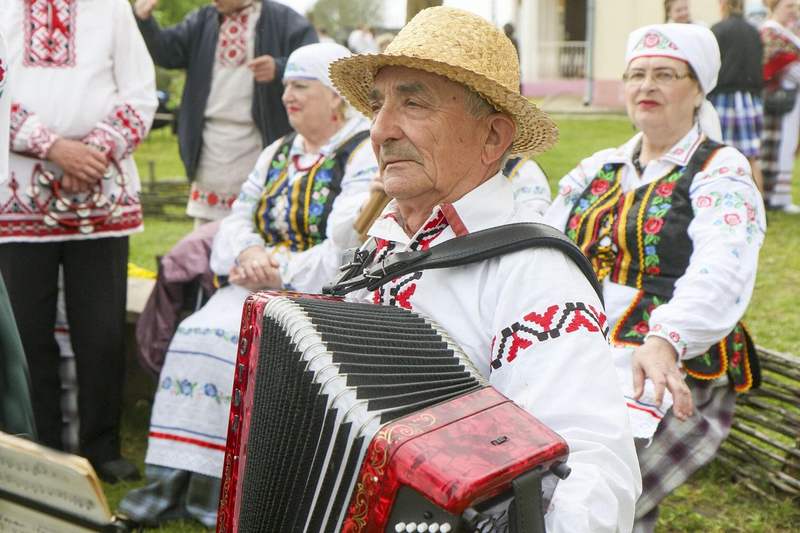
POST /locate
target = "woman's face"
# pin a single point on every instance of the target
(310, 105)
(660, 97)
(679, 11)
(785, 12)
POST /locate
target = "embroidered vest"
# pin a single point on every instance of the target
(295, 214)
(640, 239)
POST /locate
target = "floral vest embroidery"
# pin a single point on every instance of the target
(640, 239)
(295, 215)
(50, 33)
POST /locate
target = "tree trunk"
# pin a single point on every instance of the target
(415, 6)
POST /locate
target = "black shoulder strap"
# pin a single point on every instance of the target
(701, 156)
(346, 149)
(460, 251)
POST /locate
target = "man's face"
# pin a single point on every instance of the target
(424, 138)
(226, 7)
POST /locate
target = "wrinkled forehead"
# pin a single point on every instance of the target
(404, 80)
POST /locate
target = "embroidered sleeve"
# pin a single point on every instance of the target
(551, 357)
(119, 133)
(27, 134)
(727, 232)
(531, 189)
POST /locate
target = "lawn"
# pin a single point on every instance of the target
(710, 502)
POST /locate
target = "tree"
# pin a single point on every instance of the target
(338, 17)
(171, 12)
(415, 6)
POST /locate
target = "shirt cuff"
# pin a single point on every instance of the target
(670, 335)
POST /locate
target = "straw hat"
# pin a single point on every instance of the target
(464, 48)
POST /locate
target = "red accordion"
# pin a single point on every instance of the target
(357, 417)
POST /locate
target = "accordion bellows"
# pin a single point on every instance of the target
(358, 417)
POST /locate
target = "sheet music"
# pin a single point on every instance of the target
(66, 482)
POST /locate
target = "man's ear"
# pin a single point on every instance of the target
(500, 136)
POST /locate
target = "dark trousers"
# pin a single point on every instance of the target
(95, 286)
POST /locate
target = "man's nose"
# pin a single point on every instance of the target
(384, 126)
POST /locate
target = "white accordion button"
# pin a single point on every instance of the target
(422, 528)
(400, 527)
(433, 528)
(411, 527)
(445, 528)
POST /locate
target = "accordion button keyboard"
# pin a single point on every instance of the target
(445, 528)
(400, 527)
(433, 528)
(411, 527)
(422, 528)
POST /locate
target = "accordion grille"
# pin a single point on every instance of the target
(329, 374)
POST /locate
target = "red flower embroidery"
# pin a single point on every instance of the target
(642, 328)
(599, 187)
(212, 199)
(674, 336)
(653, 225)
(732, 219)
(704, 201)
(665, 189)
(565, 190)
(573, 222)
(195, 195)
(736, 358)
(651, 40)
(653, 270)
(751, 212)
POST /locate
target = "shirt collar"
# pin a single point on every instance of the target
(680, 153)
(488, 205)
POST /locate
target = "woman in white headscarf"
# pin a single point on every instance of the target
(673, 223)
(287, 229)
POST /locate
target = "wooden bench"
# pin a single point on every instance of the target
(763, 448)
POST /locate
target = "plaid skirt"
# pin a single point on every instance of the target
(741, 118)
(679, 449)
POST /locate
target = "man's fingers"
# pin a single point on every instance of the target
(682, 397)
(638, 381)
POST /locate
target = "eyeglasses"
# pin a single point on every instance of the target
(659, 76)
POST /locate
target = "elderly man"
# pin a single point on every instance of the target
(234, 53)
(446, 110)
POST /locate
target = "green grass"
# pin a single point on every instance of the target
(710, 501)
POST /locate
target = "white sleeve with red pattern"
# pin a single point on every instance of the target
(27, 134)
(121, 131)
(5, 110)
(550, 356)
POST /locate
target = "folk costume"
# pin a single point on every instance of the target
(227, 118)
(675, 245)
(529, 183)
(781, 127)
(529, 320)
(80, 71)
(299, 205)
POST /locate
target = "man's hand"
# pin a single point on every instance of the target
(263, 68)
(656, 359)
(78, 160)
(256, 269)
(74, 185)
(143, 9)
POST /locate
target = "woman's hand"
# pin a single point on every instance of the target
(256, 269)
(656, 359)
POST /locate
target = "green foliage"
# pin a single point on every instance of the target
(171, 12)
(339, 17)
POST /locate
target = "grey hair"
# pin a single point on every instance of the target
(479, 107)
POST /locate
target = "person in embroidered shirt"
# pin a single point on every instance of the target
(82, 99)
(234, 53)
(289, 227)
(446, 112)
(673, 222)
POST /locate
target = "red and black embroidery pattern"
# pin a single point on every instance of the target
(126, 121)
(554, 321)
(50, 33)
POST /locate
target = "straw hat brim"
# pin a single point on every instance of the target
(536, 132)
